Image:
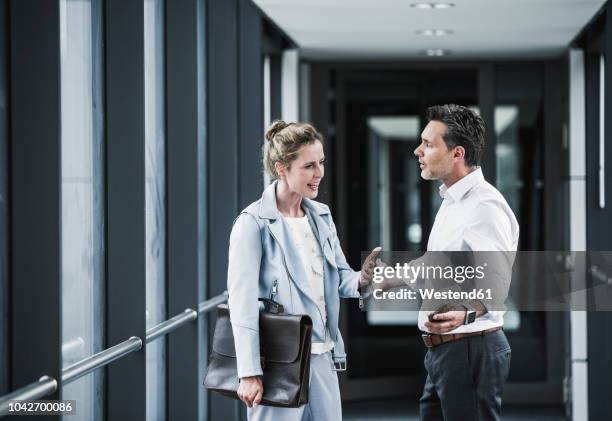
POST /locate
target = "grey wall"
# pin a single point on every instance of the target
(4, 293)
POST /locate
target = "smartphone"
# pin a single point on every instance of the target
(442, 309)
(431, 315)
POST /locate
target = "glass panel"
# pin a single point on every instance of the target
(395, 205)
(506, 131)
(508, 175)
(602, 133)
(4, 299)
(267, 108)
(518, 124)
(508, 153)
(155, 199)
(82, 199)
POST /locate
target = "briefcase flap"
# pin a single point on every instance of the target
(280, 335)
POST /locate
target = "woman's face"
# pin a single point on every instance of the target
(305, 173)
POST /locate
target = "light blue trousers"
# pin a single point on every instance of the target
(323, 399)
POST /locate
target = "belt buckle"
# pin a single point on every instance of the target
(427, 340)
(339, 365)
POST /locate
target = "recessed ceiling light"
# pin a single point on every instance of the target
(422, 5)
(436, 52)
(434, 32)
(443, 5)
(432, 5)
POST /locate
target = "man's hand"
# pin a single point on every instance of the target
(367, 269)
(250, 390)
(445, 319)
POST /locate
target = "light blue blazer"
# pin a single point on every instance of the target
(260, 253)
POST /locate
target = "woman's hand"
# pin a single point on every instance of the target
(367, 269)
(250, 390)
(367, 273)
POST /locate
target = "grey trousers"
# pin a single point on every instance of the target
(465, 379)
(323, 399)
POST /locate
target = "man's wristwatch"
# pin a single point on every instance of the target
(470, 315)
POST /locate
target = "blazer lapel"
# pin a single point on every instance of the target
(291, 257)
(319, 226)
(322, 232)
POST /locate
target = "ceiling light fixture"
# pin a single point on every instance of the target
(433, 32)
(432, 5)
(436, 52)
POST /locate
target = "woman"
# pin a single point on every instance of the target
(285, 245)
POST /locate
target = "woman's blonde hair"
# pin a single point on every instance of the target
(283, 142)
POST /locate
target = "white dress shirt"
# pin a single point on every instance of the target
(312, 261)
(474, 216)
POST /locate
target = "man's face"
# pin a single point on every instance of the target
(435, 160)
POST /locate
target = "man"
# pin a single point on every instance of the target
(468, 356)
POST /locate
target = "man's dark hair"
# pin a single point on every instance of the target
(465, 128)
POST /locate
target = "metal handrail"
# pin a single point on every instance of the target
(46, 385)
(206, 306)
(171, 324)
(102, 358)
(43, 387)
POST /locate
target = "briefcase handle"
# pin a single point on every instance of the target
(272, 306)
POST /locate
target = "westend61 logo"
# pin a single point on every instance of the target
(410, 273)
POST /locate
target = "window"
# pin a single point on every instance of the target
(82, 178)
(155, 199)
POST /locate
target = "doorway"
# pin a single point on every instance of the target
(376, 115)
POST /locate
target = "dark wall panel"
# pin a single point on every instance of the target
(556, 166)
(182, 206)
(36, 195)
(599, 345)
(319, 116)
(276, 103)
(4, 202)
(251, 103)
(222, 155)
(222, 134)
(486, 101)
(125, 157)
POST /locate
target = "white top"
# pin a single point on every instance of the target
(312, 262)
(474, 216)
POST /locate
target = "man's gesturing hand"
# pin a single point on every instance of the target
(250, 390)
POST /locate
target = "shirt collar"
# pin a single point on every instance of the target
(461, 187)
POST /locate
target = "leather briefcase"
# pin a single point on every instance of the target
(284, 351)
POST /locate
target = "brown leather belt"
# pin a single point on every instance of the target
(432, 341)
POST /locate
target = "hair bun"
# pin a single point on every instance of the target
(275, 127)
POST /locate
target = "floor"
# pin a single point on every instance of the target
(406, 411)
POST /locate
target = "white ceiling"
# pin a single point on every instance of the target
(385, 29)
